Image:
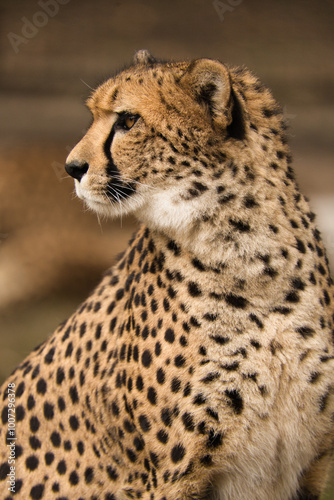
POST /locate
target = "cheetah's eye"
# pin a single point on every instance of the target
(126, 121)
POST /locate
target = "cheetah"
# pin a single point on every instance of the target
(201, 367)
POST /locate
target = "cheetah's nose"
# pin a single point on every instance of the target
(76, 170)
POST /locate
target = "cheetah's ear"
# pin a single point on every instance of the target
(210, 84)
(143, 57)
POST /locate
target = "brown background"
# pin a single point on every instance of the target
(52, 251)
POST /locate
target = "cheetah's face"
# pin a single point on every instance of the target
(150, 124)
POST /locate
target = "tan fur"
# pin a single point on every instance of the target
(202, 365)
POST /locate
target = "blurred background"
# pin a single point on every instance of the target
(52, 52)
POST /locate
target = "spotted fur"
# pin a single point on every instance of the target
(202, 365)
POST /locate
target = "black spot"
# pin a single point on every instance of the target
(250, 202)
(20, 412)
(188, 422)
(139, 443)
(74, 478)
(269, 271)
(176, 385)
(300, 246)
(61, 467)
(61, 404)
(32, 462)
(48, 411)
(214, 439)
(199, 399)
(169, 335)
(226, 198)
(323, 400)
(326, 298)
(273, 228)
(119, 294)
(210, 377)
(37, 492)
(56, 488)
(292, 297)
(89, 475)
(179, 361)
(236, 301)
(49, 356)
(282, 310)
(198, 264)
(166, 417)
(285, 253)
(152, 395)
(210, 317)
(298, 284)
(213, 414)
(34, 424)
(235, 400)
(193, 289)
(294, 224)
(256, 320)
(20, 390)
(219, 339)
(321, 269)
(74, 422)
(112, 473)
(239, 225)
(178, 453)
(135, 353)
(154, 305)
(160, 376)
(146, 358)
(174, 247)
(69, 350)
(305, 331)
(186, 327)
(55, 439)
(202, 350)
(4, 415)
(162, 436)
(30, 402)
(166, 304)
(232, 367)
(49, 458)
(41, 386)
(4, 470)
(67, 445)
(80, 447)
(314, 377)
(183, 341)
(74, 394)
(131, 455)
(206, 460)
(66, 334)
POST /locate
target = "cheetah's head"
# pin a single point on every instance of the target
(162, 135)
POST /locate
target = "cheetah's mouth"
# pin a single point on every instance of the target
(113, 199)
